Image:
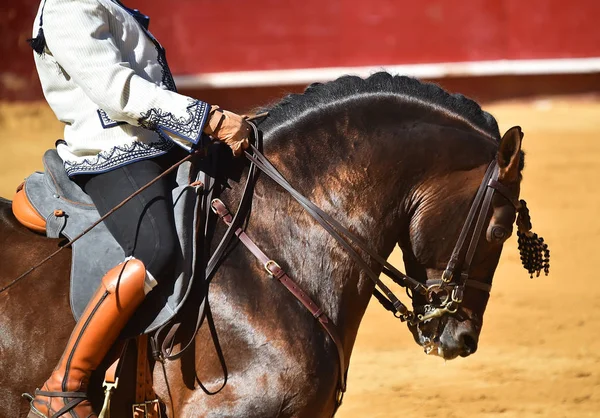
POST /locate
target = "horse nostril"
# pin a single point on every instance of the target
(469, 343)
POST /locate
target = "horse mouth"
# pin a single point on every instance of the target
(432, 348)
(436, 348)
(446, 337)
(427, 333)
(431, 343)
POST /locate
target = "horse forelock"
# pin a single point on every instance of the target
(320, 96)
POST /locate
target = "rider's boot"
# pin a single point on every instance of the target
(64, 393)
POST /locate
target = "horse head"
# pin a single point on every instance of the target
(400, 162)
(433, 238)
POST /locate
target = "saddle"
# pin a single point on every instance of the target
(49, 202)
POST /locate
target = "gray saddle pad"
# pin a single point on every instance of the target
(97, 251)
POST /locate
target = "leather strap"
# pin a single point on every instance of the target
(506, 192)
(278, 273)
(147, 404)
(111, 374)
(166, 347)
(81, 395)
(143, 388)
(481, 219)
(68, 407)
(144, 392)
(460, 243)
(76, 399)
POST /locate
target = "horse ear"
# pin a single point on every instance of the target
(509, 155)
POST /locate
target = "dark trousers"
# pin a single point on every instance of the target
(144, 226)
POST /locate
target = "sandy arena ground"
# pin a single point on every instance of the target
(539, 354)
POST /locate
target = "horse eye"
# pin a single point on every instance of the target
(498, 233)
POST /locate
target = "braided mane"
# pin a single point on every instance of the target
(382, 83)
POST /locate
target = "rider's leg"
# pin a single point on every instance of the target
(145, 229)
(121, 291)
(144, 226)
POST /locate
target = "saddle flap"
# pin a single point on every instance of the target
(65, 187)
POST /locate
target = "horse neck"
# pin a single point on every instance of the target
(365, 180)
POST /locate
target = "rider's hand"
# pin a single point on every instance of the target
(229, 128)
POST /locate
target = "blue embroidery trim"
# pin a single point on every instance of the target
(167, 77)
(117, 156)
(189, 128)
(106, 121)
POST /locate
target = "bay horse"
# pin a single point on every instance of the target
(395, 160)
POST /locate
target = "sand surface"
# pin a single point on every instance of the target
(539, 352)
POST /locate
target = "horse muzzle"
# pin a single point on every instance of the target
(446, 336)
(459, 338)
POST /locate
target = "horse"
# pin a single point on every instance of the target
(395, 160)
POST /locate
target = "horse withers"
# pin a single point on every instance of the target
(394, 160)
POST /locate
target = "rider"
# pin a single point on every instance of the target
(106, 78)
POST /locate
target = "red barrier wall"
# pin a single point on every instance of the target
(263, 34)
(213, 36)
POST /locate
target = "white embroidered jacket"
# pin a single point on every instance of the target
(106, 78)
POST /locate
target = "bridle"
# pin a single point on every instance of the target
(449, 289)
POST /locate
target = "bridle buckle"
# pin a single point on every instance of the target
(440, 290)
(275, 267)
(447, 276)
(457, 294)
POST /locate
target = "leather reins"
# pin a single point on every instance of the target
(343, 236)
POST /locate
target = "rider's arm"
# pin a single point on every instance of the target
(78, 36)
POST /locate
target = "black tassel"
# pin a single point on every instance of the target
(38, 43)
(535, 254)
(523, 218)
